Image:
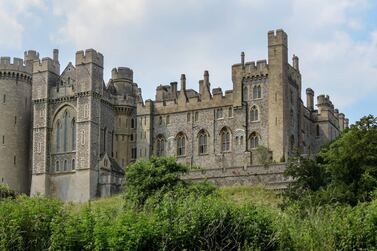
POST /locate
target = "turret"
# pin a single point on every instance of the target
(341, 121)
(122, 77)
(29, 57)
(89, 68)
(310, 99)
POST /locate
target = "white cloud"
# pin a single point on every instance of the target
(10, 25)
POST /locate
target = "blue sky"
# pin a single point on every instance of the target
(336, 41)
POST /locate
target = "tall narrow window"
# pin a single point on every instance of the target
(104, 139)
(58, 129)
(65, 165)
(219, 113)
(4, 98)
(57, 168)
(132, 123)
(3, 139)
(188, 117)
(202, 142)
(167, 119)
(254, 116)
(317, 131)
(225, 140)
(196, 116)
(65, 131)
(254, 140)
(82, 137)
(230, 112)
(160, 146)
(181, 144)
(73, 134)
(292, 142)
(257, 91)
(73, 165)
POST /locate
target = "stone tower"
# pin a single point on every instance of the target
(15, 123)
(277, 98)
(45, 76)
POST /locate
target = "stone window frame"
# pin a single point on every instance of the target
(219, 113)
(160, 145)
(226, 139)
(254, 113)
(181, 144)
(196, 116)
(254, 140)
(167, 119)
(202, 137)
(230, 112)
(257, 91)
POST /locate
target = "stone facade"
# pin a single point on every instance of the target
(85, 133)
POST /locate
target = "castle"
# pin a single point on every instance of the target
(69, 135)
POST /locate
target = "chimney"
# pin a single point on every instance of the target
(55, 56)
(310, 99)
(243, 59)
(295, 62)
(183, 82)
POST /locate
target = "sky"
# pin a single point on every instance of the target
(336, 41)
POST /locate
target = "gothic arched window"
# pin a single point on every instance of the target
(257, 91)
(73, 130)
(254, 116)
(181, 147)
(202, 140)
(58, 129)
(65, 129)
(73, 164)
(254, 140)
(225, 139)
(160, 145)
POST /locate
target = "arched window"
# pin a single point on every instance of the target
(225, 140)
(58, 129)
(57, 166)
(132, 123)
(181, 147)
(160, 145)
(202, 140)
(65, 118)
(73, 130)
(254, 140)
(257, 91)
(254, 116)
(65, 165)
(73, 164)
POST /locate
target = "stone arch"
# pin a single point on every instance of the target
(226, 139)
(64, 130)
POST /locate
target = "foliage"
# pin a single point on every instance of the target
(345, 171)
(264, 155)
(6, 192)
(25, 222)
(144, 178)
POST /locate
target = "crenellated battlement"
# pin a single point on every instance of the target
(15, 64)
(46, 64)
(31, 56)
(277, 37)
(89, 56)
(122, 73)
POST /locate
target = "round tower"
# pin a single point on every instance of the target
(15, 122)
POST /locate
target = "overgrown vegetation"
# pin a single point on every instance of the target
(331, 205)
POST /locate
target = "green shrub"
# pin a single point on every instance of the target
(25, 222)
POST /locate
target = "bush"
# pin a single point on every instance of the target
(25, 222)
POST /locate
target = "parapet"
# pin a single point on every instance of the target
(89, 56)
(278, 37)
(16, 65)
(122, 73)
(46, 64)
(31, 55)
(217, 91)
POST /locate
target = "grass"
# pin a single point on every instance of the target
(257, 195)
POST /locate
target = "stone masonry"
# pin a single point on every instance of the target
(69, 135)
